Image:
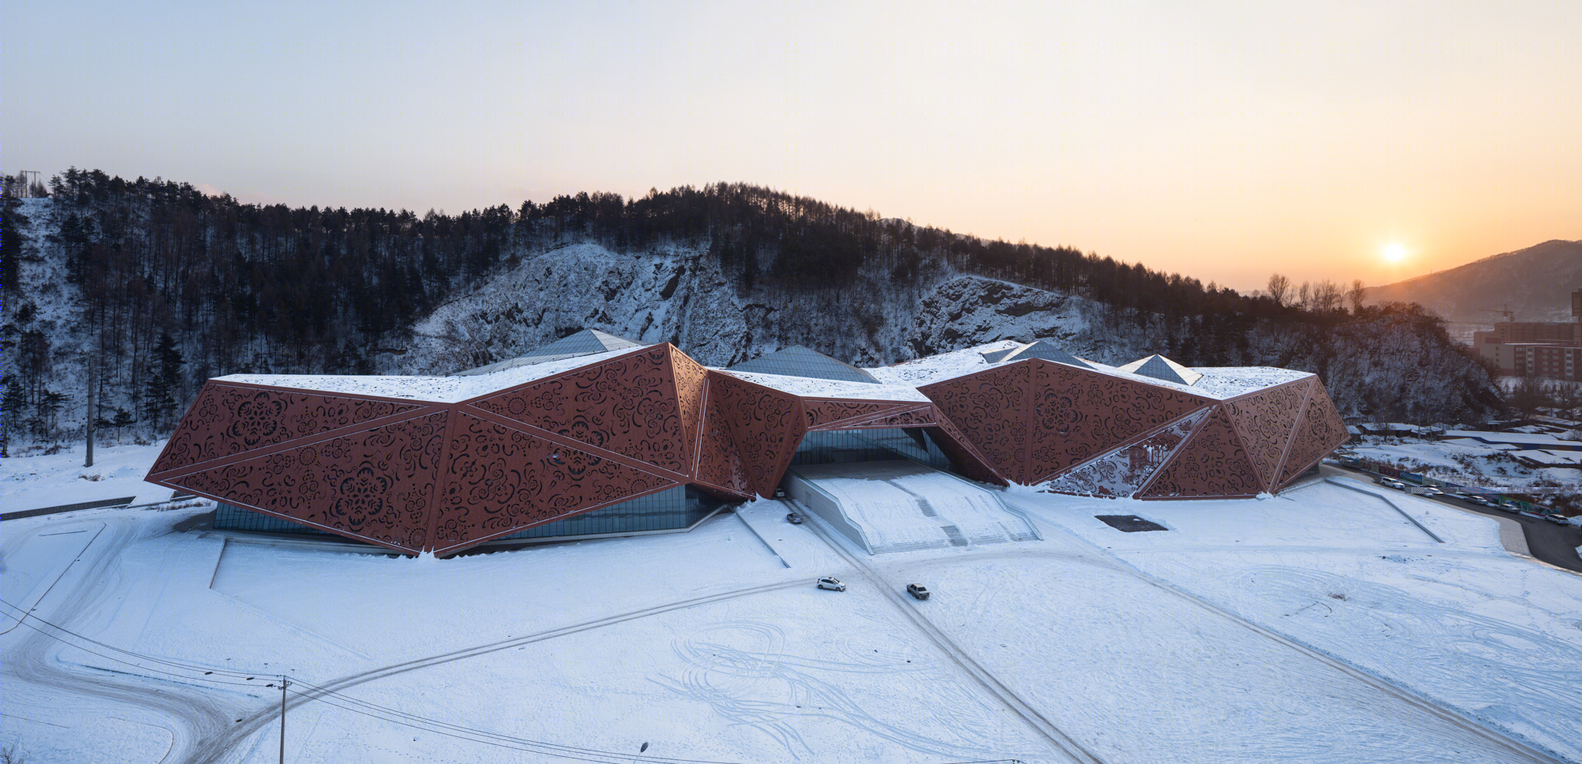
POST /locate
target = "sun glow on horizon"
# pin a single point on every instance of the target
(1394, 253)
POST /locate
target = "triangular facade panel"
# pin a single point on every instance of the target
(372, 485)
(719, 463)
(1320, 432)
(962, 454)
(1124, 471)
(1079, 414)
(833, 414)
(1162, 368)
(227, 420)
(1046, 351)
(901, 417)
(798, 361)
(766, 426)
(990, 409)
(690, 378)
(497, 480)
(626, 405)
(1211, 464)
(1265, 422)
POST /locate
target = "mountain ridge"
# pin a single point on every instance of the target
(1535, 282)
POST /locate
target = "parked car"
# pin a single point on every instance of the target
(831, 583)
(1396, 484)
(794, 518)
(1430, 491)
(1480, 501)
(1557, 518)
(918, 591)
(1504, 506)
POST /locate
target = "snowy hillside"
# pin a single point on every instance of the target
(678, 295)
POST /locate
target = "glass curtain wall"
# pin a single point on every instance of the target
(913, 443)
(672, 509)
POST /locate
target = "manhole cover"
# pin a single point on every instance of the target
(1130, 523)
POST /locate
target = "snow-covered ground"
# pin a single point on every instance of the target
(1469, 462)
(1318, 625)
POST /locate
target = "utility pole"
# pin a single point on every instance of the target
(283, 684)
(93, 374)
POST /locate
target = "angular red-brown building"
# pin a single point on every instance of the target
(595, 432)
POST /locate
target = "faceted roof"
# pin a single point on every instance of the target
(585, 342)
(1039, 349)
(1160, 367)
(798, 361)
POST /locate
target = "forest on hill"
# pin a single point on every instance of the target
(142, 289)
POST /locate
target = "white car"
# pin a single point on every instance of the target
(831, 583)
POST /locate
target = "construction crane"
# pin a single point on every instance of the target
(1510, 315)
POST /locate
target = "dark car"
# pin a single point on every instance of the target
(794, 518)
(918, 591)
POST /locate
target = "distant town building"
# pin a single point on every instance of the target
(1551, 350)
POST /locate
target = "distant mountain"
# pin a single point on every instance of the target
(1536, 283)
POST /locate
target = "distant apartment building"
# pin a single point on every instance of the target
(1551, 350)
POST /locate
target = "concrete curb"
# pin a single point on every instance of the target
(1393, 505)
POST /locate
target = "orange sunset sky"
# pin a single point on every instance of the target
(1221, 140)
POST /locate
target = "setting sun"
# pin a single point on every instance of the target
(1394, 253)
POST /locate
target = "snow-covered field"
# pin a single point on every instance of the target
(1318, 625)
(1471, 462)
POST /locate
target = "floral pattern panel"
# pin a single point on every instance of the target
(766, 426)
(1078, 414)
(1320, 432)
(832, 414)
(900, 417)
(966, 459)
(1265, 421)
(374, 485)
(227, 420)
(689, 379)
(1211, 464)
(1120, 473)
(497, 480)
(626, 405)
(719, 464)
(989, 408)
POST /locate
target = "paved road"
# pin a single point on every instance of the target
(1554, 544)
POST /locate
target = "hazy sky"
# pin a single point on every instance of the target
(1221, 140)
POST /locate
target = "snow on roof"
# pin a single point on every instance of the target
(432, 389)
(1544, 458)
(1218, 383)
(1223, 382)
(576, 345)
(1160, 367)
(798, 361)
(808, 387)
(1039, 349)
(1525, 439)
(936, 368)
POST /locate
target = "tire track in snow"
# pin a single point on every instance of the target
(217, 747)
(192, 714)
(1061, 742)
(1520, 751)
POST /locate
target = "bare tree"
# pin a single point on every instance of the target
(1279, 289)
(1304, 296)
(1326, 296)
(1356, 294)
